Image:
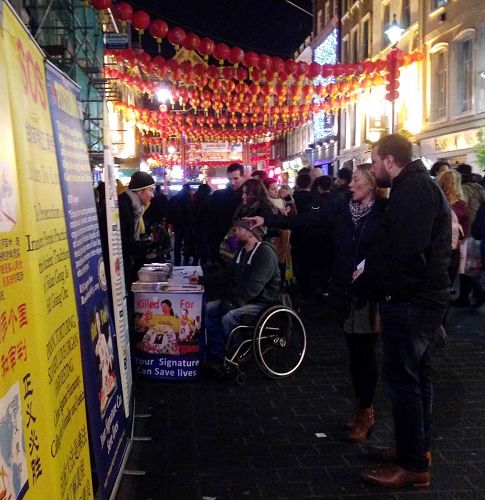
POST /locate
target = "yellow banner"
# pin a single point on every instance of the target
(42, 407)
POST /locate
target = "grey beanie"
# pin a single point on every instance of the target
(259, 232)
(140, 180)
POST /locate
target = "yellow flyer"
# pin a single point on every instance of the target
(43, 431)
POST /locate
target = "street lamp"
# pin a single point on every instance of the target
(394, 33)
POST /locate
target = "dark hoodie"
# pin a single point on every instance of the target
(410, 259)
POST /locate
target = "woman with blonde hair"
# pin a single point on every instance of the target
(355, 225)
(450, 183)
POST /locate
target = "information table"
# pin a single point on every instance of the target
(168, 326)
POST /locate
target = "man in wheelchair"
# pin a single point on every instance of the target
(250, 284)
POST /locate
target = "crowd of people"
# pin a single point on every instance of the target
(379, 248)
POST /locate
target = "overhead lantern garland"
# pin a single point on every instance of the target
(254, 96)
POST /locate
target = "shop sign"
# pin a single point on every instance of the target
(465, 139)
(117, 41)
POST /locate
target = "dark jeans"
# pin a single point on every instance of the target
(407, 333)
(363, 366)
(182, 243)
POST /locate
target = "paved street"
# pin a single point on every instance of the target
(215, 440)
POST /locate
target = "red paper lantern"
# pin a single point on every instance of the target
(206, 47)
(277, 65)
(327, 70)
(228, 72)
(264, 63)
(176, 36)
(236, 55)
(143, 59)
(381, 65)
(392, 95)
(301, 68)
(251, 59)
(172, 65)
(199, 69)
(158, 63)
(221, 52)
(140, 20)
(129, 55)
(290, 66)
(191, 42)
(369, 67)
(213, 72)
(122, 11)
(241, 74)
(158, 29)
(283, 76)
(314, 70)
(101, 4)
(256, 75)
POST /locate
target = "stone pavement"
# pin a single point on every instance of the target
(215, 440)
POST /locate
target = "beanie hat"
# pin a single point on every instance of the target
(259, 232)
(140, 180)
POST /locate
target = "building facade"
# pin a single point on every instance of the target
(454, 76)
(441, 96)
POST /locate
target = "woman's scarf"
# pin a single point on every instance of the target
(358, 211)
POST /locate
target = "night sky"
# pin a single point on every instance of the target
(265, 26)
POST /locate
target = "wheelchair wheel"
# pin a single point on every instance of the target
(279, 342)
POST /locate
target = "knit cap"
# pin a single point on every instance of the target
(259, 232)
(140, 180)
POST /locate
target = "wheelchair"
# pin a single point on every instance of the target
(276, 339)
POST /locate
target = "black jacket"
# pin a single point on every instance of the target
(222, 207)
(251, 277)
(352, 244)
(410, 259)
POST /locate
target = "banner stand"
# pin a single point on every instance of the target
(130, 472)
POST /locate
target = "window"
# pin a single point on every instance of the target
(439, 84)
(386, 22)
(365, 38)
(463, 57)
(405, 14)
(320, 25)
(436, 4)
(345, 49)
(354, 45)
(327, 12)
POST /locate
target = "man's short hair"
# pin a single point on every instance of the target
(303, 181)
(259, 174)
(233, 167)
(397, 146)
(464, 168)
(345, 174)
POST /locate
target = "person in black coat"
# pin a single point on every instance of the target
(180, 215)
(132, 203)
(224, 203)
(408, 267)
(201, 210)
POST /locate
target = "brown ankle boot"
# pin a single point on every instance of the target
(363, 426)
(351, 421)
(349, 424)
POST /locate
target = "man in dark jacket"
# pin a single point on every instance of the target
(408, 268)
(132, 203)
(223, 205)
(249, 284)
(180, 215)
